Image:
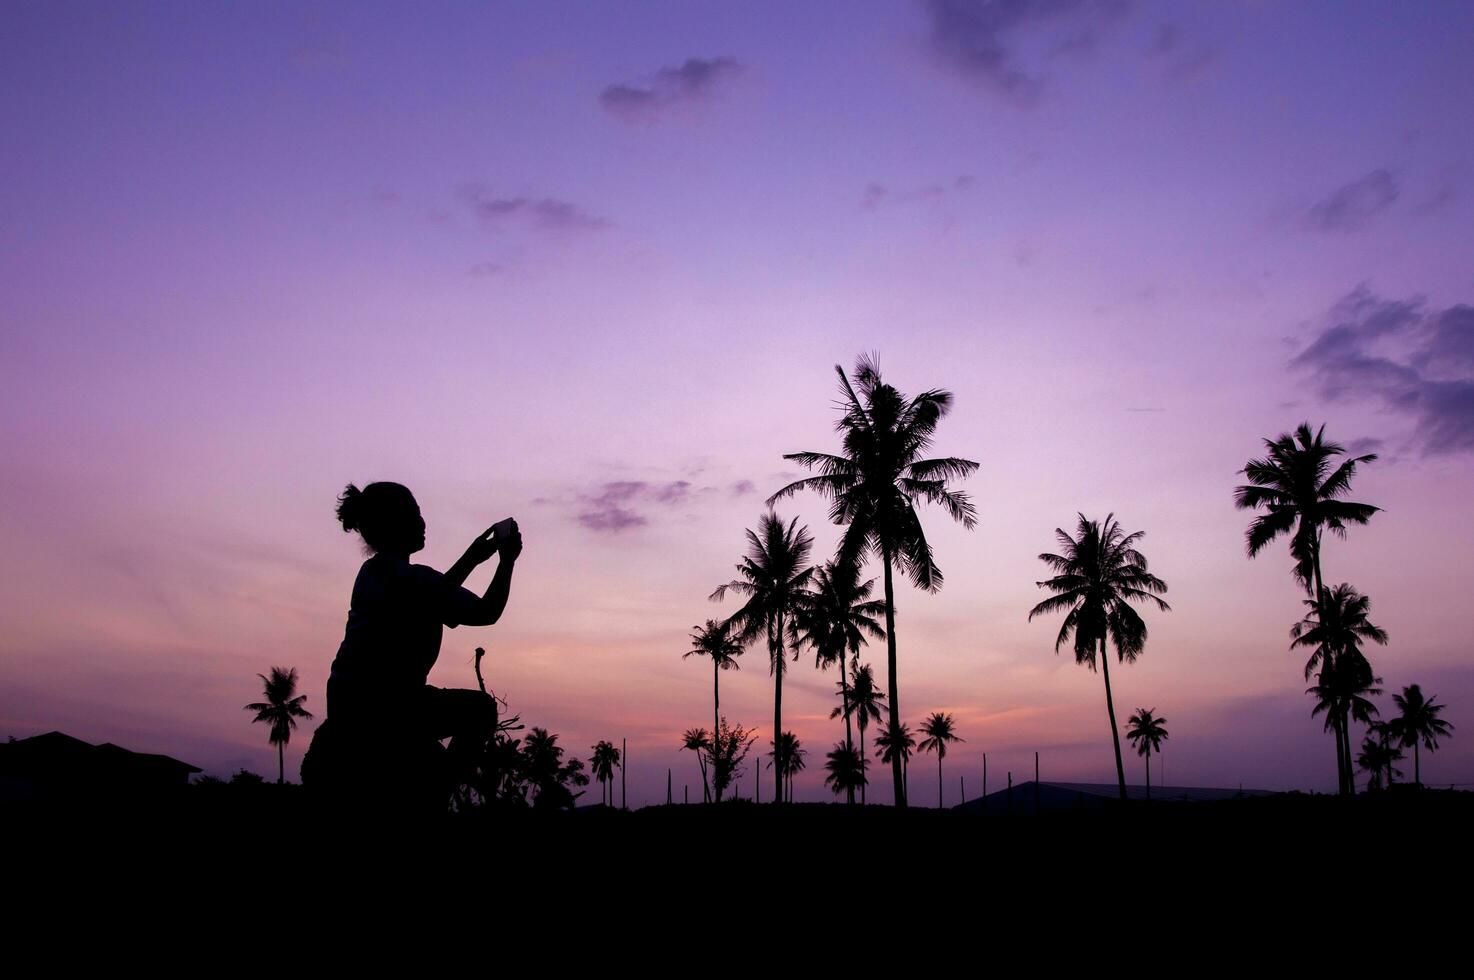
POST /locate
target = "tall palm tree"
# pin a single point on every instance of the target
(605, 760)
(846, 768)
(836, 622)
(281, 709)
(774, 577)
(938, 729)
(1334, 629)
(1097, 577)
(787, 758)
(864, 702)
(698, 741)
(1301, 489)
(1417, 723)
(874, 487)
(893, 746)
(714, 639)
(1147, 732)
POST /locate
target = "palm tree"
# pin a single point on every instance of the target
(1377, 757)
(774, 577)
(1385, 733)
(893, 746)
(846, 768)
(836, 622)
(938, 731)
(865, 700)
(1148, 732)
(1097, 578)
(1302, 497)
(605, 760)
(281, 709)
(1334, 630)
(1417, 723)
(698, 741)
(714, 640)
(875, 486)
(788, 759)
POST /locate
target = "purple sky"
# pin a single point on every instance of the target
(592, 266)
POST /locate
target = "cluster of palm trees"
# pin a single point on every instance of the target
(1098, 579)
(1300, 485)
(874, 486)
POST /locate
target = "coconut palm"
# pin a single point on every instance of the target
(714, 639)
(837, 622)
(1301, 494)
(281, 709)
(846, 768)
(893, 746)
(774, 577)
(1376, 758)
(938, 729)
(1333, 630)
(605, 760)
(1097, 577)
(1417, 724)
(874, 487)
(864, 702)
(1147, 732)
(698, 741)
(787, 758)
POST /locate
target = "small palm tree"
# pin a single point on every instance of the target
(865, 701)
(938, 729)
(774, 576)
(1376, 759)
(1097, 577)
(714, 640)
(837, 622)
(846, 768)
(1334, 629)
(1385, 732)
(605, 760)
(698, 741)
(281, 709)
(788, 758)
(1417, 724)
(893, 746)
(1147, 732)
(874, 487)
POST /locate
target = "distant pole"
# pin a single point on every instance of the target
(985, 782)
(757, 782)
(962, 788)
(1036, 783)
(1010, 791)
(668, 800)
(686, 794)
(624, 759)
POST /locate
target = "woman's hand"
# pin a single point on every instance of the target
(509, 544)
(483, 547)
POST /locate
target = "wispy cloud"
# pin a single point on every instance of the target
(1415, 361)
(1352, 206)
(690, 82)
(986, 42)
(622, 504)
(544, 213)
(877, 195)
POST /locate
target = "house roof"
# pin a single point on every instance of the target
(58, 750)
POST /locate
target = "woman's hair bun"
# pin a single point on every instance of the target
(350, 508)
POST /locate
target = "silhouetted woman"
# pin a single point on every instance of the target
(377, 695)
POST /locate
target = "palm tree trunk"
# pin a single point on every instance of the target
(939, 782)
(716, 721)
(281, 765)
(862, 760)
(1417, 766)
(1105, 666)
(849, 740)
(1319, 596)
(1346, 751)
(898, 779)
(778, 665)
(1148, 772)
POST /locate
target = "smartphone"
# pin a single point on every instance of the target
(502, 529)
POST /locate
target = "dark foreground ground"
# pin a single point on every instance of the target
(1240, 875)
